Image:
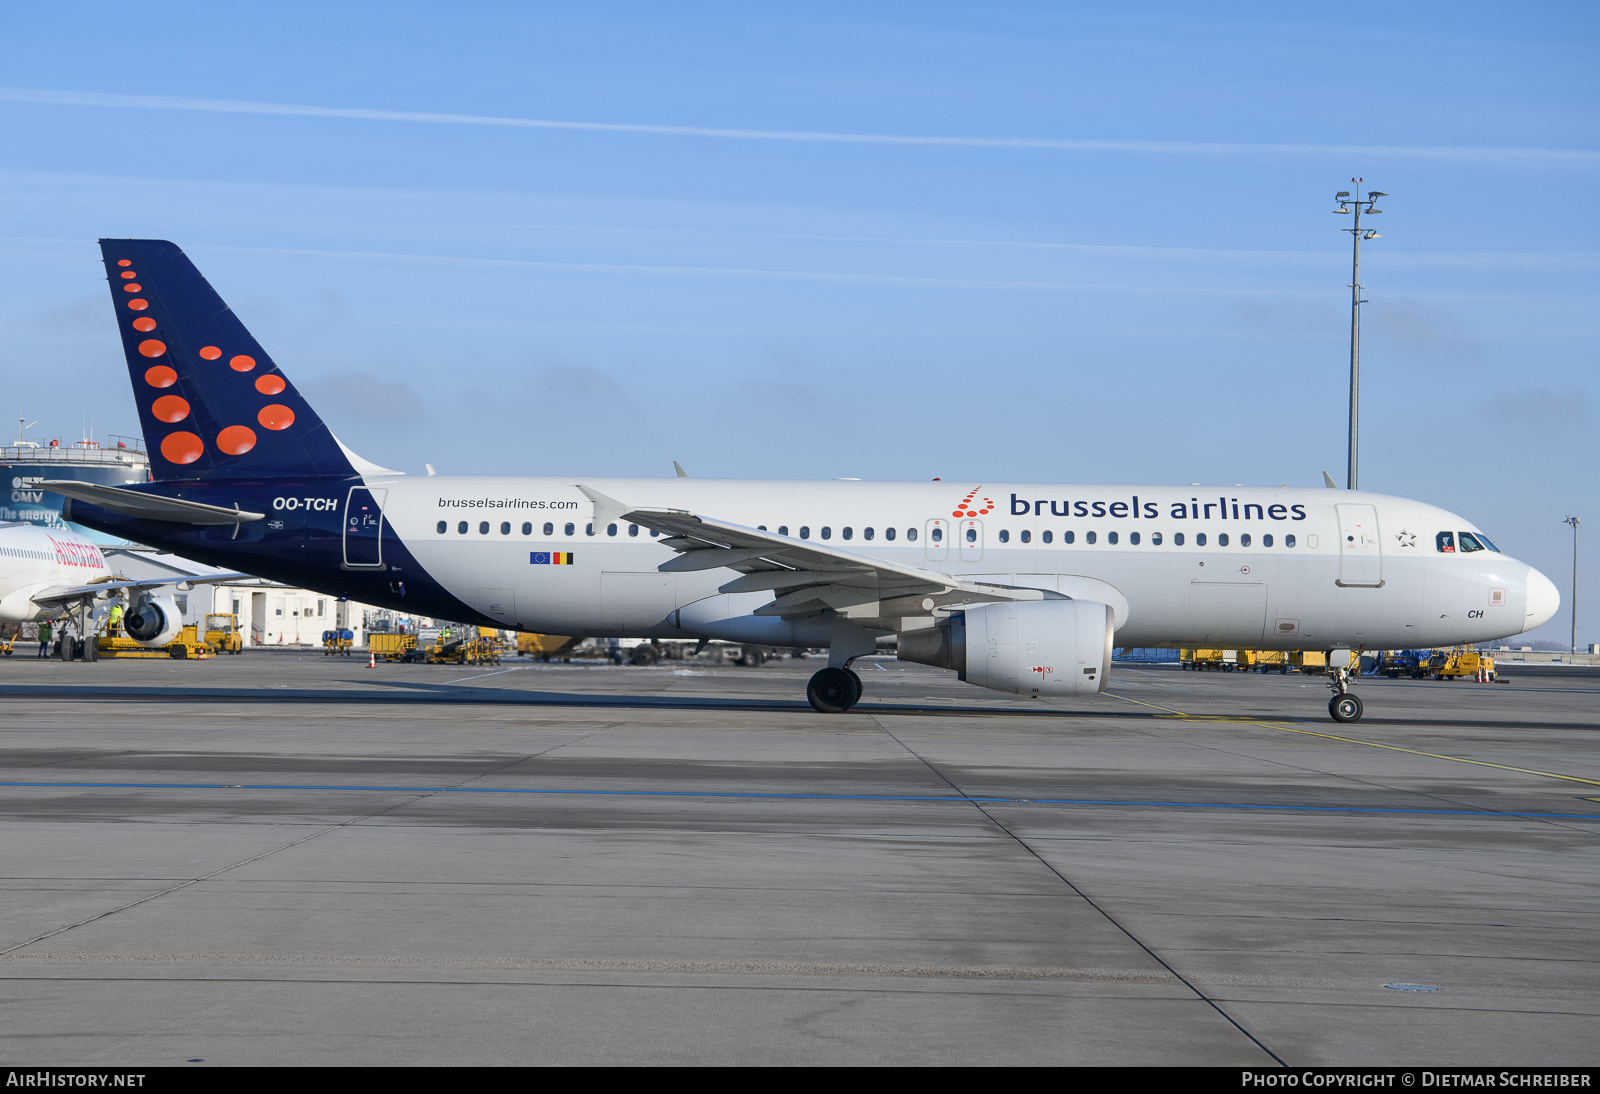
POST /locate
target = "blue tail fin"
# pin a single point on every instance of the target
(212, 403)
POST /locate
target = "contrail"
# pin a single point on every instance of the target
(1181, 148)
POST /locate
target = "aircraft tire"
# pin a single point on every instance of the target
(1345, 708)
(832, 691)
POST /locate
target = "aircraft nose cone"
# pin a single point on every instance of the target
(1543, 599)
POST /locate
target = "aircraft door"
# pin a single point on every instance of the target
(935, 538)
(970, 535)
(1360, 550)
(363, 529)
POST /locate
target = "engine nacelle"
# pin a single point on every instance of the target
(1030, 647)
(156, 621)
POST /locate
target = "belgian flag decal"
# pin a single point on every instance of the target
(551, 558)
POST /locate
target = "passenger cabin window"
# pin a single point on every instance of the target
(549, 529)
(1069, 537)
(1133, 538)
(937, 534)
(1199, 539)
(827, 532)
(1111, 537)
(1005, 536)
(588, 529)
(611, 529)
(527, 528)
(866, 533)
(1469, 542)
(1445, 542)
(633, 529)
(888, 533)
(1177, 539)
(1046, 536)
(805, 532)
(911, 534)
(1222, 540)
(571, 528)
(443, 526)
(1090, 538)
(1026, 535)
(847, 532)
(1155, 538)
(505, 528)
(783, 529)
(1266, 541)
(1288, 541)
(462, 528)
(483, 527)
(1244, 540)
(972, 535)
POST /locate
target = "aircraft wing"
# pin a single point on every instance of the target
(65, 594)
(804, 576)
(133, 503)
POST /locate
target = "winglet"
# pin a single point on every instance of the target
(678, 467)
(606, 509)
(1328, 480)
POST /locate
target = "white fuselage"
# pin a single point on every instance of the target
(36, 560)
(1255, 567)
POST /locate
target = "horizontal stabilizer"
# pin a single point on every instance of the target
(133, 503)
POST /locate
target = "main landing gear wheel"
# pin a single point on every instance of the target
(833, 691)
(1345, 708)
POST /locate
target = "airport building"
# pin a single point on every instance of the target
(120, 461)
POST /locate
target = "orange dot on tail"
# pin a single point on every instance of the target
(170, 408)
(152, 347)
(182, 447)
(160, 376)
(138, 305)
(210, 353)
(133, 287)
(124, 262)
(128, 275)
(144, 322)
(236, 440)
(270, 384)
(242, 363)
(957, 513)
(276, 416)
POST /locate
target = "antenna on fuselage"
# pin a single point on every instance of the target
(1327, 480)
(678, 467)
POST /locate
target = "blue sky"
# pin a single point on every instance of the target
(990, 242)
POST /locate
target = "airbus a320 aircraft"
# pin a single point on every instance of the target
(47, 574)
(1017, 587)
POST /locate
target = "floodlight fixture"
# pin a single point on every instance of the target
(1342, 194)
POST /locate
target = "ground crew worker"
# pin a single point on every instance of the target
(115, 619)
(45, 634)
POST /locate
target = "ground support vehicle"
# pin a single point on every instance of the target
(393, 647)
(1269, 661)
(543, 646)
(188, 645)
(1397, 663)
(1310, 662)
(337, 643)
(1217, 660)
(223, 633)
(8, 647)
(1454, 663)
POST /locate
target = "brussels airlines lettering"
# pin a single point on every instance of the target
(1026, 594)
(1193, 509)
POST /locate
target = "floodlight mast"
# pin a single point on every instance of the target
(1576, 524)
(1356, 205)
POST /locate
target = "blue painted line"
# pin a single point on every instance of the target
(939, 798)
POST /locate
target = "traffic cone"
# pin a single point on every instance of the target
(372, 659)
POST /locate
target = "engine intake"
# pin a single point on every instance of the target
(1035, 648)
(154, 622)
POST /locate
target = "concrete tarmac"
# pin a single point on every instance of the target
(282, 858)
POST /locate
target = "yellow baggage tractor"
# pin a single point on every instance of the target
(223, 634)
(1461, 661)
(1311, 662)
(188, 645)
(1269, 661)
(544, 646)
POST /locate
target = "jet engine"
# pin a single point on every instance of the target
(1031, 647)
(155, 621)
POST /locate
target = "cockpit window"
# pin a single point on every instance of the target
(1483, 539)
(1445, 542)
(1469, 542)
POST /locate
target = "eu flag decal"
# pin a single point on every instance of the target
(550, 558)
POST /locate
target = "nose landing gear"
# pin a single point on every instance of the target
(833, 691)
(1345, 706)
